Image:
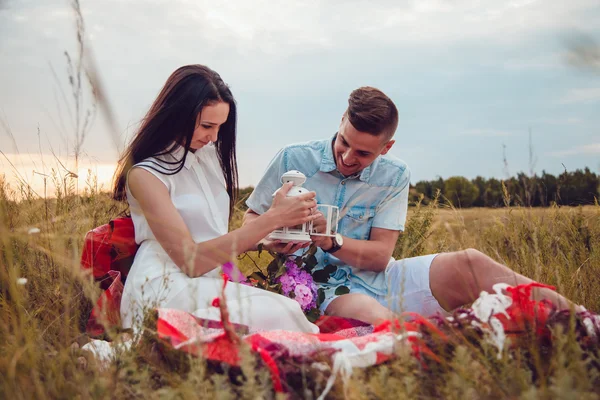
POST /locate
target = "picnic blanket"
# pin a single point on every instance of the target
(344, 344)
(501, 318)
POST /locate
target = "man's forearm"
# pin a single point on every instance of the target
(368, 255)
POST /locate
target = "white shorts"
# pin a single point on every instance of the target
(407, 287)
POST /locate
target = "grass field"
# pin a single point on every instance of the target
(40, 316)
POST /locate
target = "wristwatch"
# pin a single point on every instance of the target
(337, 241)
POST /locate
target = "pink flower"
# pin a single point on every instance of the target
(304, 296)
(233, 272)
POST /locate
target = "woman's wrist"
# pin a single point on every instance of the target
(272, 217)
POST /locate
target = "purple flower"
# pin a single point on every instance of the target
(301, 283)
(287, 283)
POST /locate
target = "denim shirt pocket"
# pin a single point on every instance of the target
(357, 222)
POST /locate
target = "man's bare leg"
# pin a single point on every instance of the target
(457, 279)
(359, 306)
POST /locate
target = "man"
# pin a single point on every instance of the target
(353, 170)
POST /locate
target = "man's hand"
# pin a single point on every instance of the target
(319, 226)
(283, 248)
(324, 242)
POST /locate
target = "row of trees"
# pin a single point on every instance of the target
(568, 188)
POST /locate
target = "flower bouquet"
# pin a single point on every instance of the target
(295, 277)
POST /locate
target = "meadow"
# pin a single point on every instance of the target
(45, 298)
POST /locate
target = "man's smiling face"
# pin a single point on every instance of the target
(354, 150)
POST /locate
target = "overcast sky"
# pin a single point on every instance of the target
(467, 76)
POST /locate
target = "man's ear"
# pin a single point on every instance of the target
(387, 147)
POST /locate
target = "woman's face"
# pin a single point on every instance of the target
(208, 123)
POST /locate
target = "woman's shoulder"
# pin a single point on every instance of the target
(162, 166)
(158, 164)
(166, 163)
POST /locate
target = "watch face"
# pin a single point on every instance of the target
(339, 239)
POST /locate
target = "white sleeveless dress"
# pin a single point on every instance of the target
(199, 193)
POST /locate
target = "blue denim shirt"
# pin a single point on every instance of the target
(377, 197)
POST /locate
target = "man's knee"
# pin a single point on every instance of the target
(462, 259)
(476, 256)
(458, 269)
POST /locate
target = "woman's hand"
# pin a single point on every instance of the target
(292, 211)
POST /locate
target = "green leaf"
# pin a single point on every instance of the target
(280, 271)
(275, 288)
(321, 293)
(273, 267)
(313, 314)
(341, 290)
(320, 276)
(311, 261)
(312, 250)
(260, 248)
(259, 276)
(330, 269)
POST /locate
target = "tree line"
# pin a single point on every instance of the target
(569, 188)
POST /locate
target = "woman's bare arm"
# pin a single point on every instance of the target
(196, 259)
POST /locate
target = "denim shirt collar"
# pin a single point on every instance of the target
(328, 162)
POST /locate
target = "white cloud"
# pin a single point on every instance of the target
(583, 95)
(279, 29)
(587, 149)
(486, 133)
(549, 61)
(313, 50)
(561, 121)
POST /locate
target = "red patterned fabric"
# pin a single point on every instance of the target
(187, 333)
(526, 314)
(349, 343)
(108, 253)
(359, 343)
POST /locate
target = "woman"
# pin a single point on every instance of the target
(179, 176)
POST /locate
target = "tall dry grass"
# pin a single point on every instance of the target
(41, 319)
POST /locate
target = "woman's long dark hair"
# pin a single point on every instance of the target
(171, 121)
